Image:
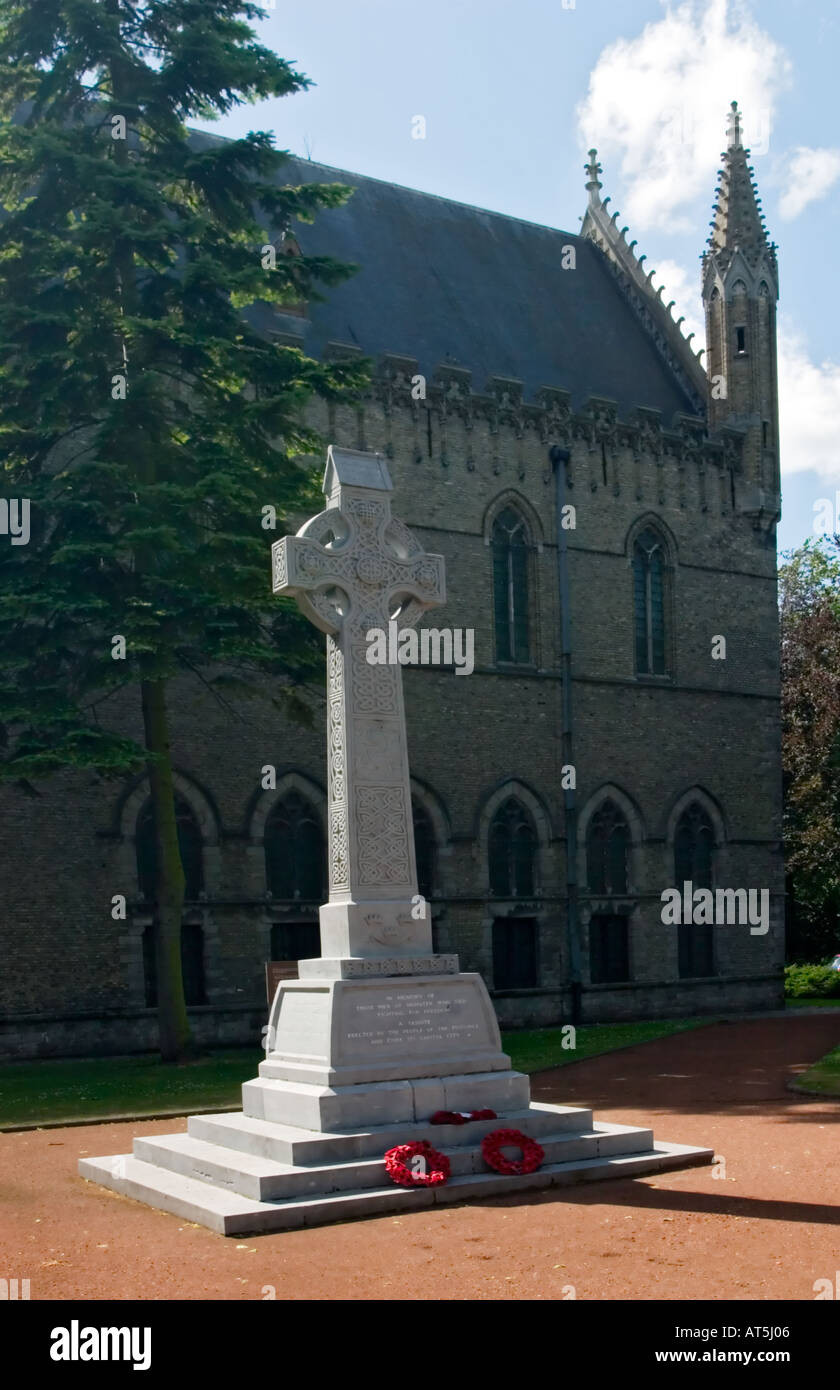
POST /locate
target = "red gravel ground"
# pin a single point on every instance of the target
(763, 1223)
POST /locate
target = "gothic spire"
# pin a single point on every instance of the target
(738, 222)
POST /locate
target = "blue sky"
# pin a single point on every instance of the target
(514, 94)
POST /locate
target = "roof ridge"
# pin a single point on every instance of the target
(601, 228)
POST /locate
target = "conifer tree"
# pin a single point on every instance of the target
(144, 423)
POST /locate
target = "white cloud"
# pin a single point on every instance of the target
(809, 408)
(659, 103)
(810, 174)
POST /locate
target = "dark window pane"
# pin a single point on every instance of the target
(424, 849)
(703, 854)
(695, 949)
(609, 952)
(683, 855)
(515, 953)
(519, 582)
(694, 847)
(295, 940)
(294, 850)
(512, 847)
(523, 860)
(510, 587)
(189, 844)
(192, 964)
(657, 614)
(649, 603)
(504, 650)
(500, 877)
(607, 845)
(640, 610)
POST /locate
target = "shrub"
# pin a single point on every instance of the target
(812, 982)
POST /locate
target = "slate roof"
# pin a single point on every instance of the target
(441, 281)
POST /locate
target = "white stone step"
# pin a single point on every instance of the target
(293, 1145)
(233, 1214)
(266, 1180)
(379, 1103)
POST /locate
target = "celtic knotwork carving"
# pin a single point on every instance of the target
(401, 965)
(280, 569)
(374, 687)
(365, 512)
(400, 540)
(338, 839)
(382, 832)
(427, 575)
(369, 569)
(339, 855)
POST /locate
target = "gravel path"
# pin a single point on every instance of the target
(763, 1223)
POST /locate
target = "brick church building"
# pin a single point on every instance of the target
(520, 372)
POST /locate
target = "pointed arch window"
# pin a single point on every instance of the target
(607, 875)
(510, 587)
(694, 853)
(294, 850)
(192, 964)
(512, 851)
(424, 849)
(649, 603)
(189, 844)
(607, 851)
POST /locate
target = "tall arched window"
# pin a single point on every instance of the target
(189, 843)
(424, 849)
(192, 964)
(694, 851)
(649, 603)
(295, 863)
(512, 850)
(607, 842)
(510, 586)
(607, 855)
(294, 850)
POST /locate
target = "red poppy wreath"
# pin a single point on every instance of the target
(492, 1145)
(436, 1165)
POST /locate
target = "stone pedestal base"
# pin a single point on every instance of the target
(347, 1032)
(358, 1066)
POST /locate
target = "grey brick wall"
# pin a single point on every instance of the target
(72, 981)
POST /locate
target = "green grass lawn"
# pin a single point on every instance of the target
(50, 1092)
(812, 1003)
(823, 1076)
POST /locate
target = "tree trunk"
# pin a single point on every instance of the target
(176, 1043)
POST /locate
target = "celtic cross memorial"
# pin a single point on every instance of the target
(353, 568)
(379, 1035)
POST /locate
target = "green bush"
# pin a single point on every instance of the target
(811, 982)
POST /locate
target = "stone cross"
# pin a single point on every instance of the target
(352, 568)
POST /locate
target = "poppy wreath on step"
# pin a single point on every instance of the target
(398, 1159)
(492, 1145)
(459, 1117)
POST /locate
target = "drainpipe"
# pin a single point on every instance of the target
(559, 458)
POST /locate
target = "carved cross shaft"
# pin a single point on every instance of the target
(352, 568)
